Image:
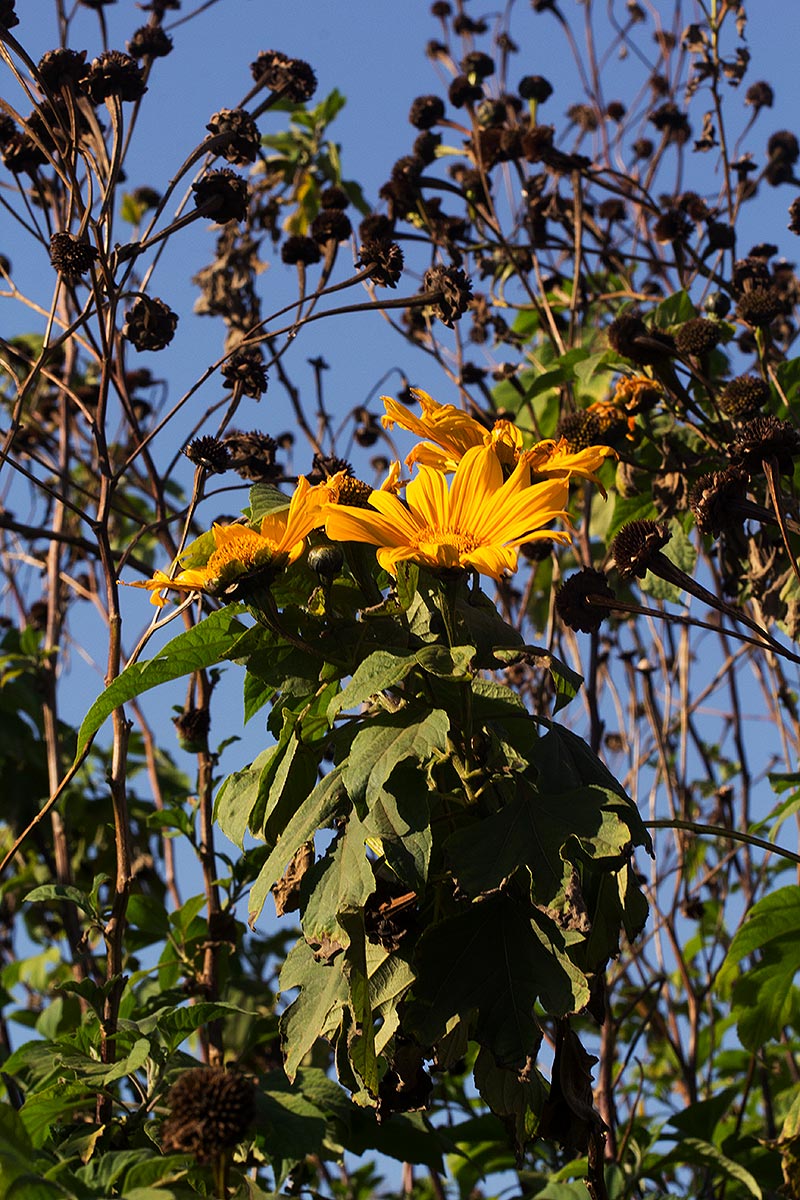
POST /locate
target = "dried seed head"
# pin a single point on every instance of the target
(672, 226)
(631, 338)
(210, 1112)
(292, 77)
(8, 18)
(642, 148)
(794, 215)
(573, 600)
(456, 292)
(384, 261)
(150, 41)
(463, 91)
(616, 111)
(246, 370)
(150, 324)
(351, 491)
(62, 68)
(535, 87)
(759, 95)
(22, 155)
(713, 500)
(425, 146)
(324, 466)
(242, 133)
(698, 336)
(334, 197)
(672, 123)
(209, 453)
(192, 728)
(330, 225)
(426, 111)
(477, 65)
(71, 256)
(252, 456)
(766, 437)
(636, 546)
(376, 225)
(464, 24)
(222, 195)
(760, 306)
(721, 236)
(743, 397)
(114, 74)
(298, 249)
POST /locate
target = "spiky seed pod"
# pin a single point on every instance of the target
(210, 1112)
(384, 260)
(744, 397)
(766, 437)
(62, 68)
(535, 87)
(456, 292)
(298, 249)
(71, 256)
(292, 77)
(150, 41)
(150, 324)
(376, 225)
(246, 368)
(698, 336)
(209, 453)
(714, 497)
(114, 74)
(631, 338)
(425, 146)
(580, 429)
(192, 727)
(242, 133)
(222, 195)
(426, 111)
(324, 466)
(252, 456)
(334, 197)
(636, 546)
(573, 600)
(759, 307)
(330, 225)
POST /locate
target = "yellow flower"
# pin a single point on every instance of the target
(239, 550)
(555, 460)
(452, 431)
(477, 522)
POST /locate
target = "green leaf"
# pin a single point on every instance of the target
(490, 959)
(317, 1011)
(211, 641)
(361, 1046)
(383, 669)
(292, 1124)
(341, 880)
(674, 310)
(321, 804)
(383, 744)
(237, 797)
(699, 1153)
(61, 892)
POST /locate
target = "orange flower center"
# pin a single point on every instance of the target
(462, 542)
(247, 550)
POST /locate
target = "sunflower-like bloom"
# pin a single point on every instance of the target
(239, 550)
(451, 432)
(555, 460)
(477, 522)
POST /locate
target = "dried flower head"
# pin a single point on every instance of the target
(698, 336)
(477, 65)
(672, 226)
(192, 728)
(574, 600)
(535, 87)
(222, 195)
(759, 95)
(245, 369)
(8, 18)
(631, 338)
(209, 453)
(763, 438)
(463, 91)
(455, 292)
(210, 1112)
(298, 249)
(760, 306)
(62, 68)
(743, 397)
(150, 41)
(114, 74)
(334, 197)
(383, 259)
(150, 324)
(243, 139)
(71, 256)
(672, 123)
(331, 225)
(636, 546)
(426, 111)
(714, 498)
(291, 77)
(794, 216)
(252, 456)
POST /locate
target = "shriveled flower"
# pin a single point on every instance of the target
(71, 256)
(240, 130)
(698, 336)
(426, 111)
(631, 338)
(536, 88)
(243, 552)
(192, 728)
(291, 77)
(636, 546)
(8, 18)
(455, 289)
(62, 68)
(764, 438)
(451, 431)
(210, 453)
(715, 497)
(222, 195)
(211, 1110)
(331, 225)
(383, 259)
(637, 393)
(573, 600)
(114, 74)
(245, 369)
(478, 522)
(298, 249)
(150, 324)
(252, 455)
(760, 306)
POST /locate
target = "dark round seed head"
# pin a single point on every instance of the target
(330, 225)
(760, 306)
(298, 249)
(71, 256)
(535, 87)
(210, 453)
(744, 397)
(242, 137)
(714, 497)
(456, 292)
(150, 41)
(150, 324)
(636, 546)
(114, 74)
(211, 1110)
(245, 369)
(426, 111)
(573, 600)
(383, 259)
(698, 336)
(222, 195)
